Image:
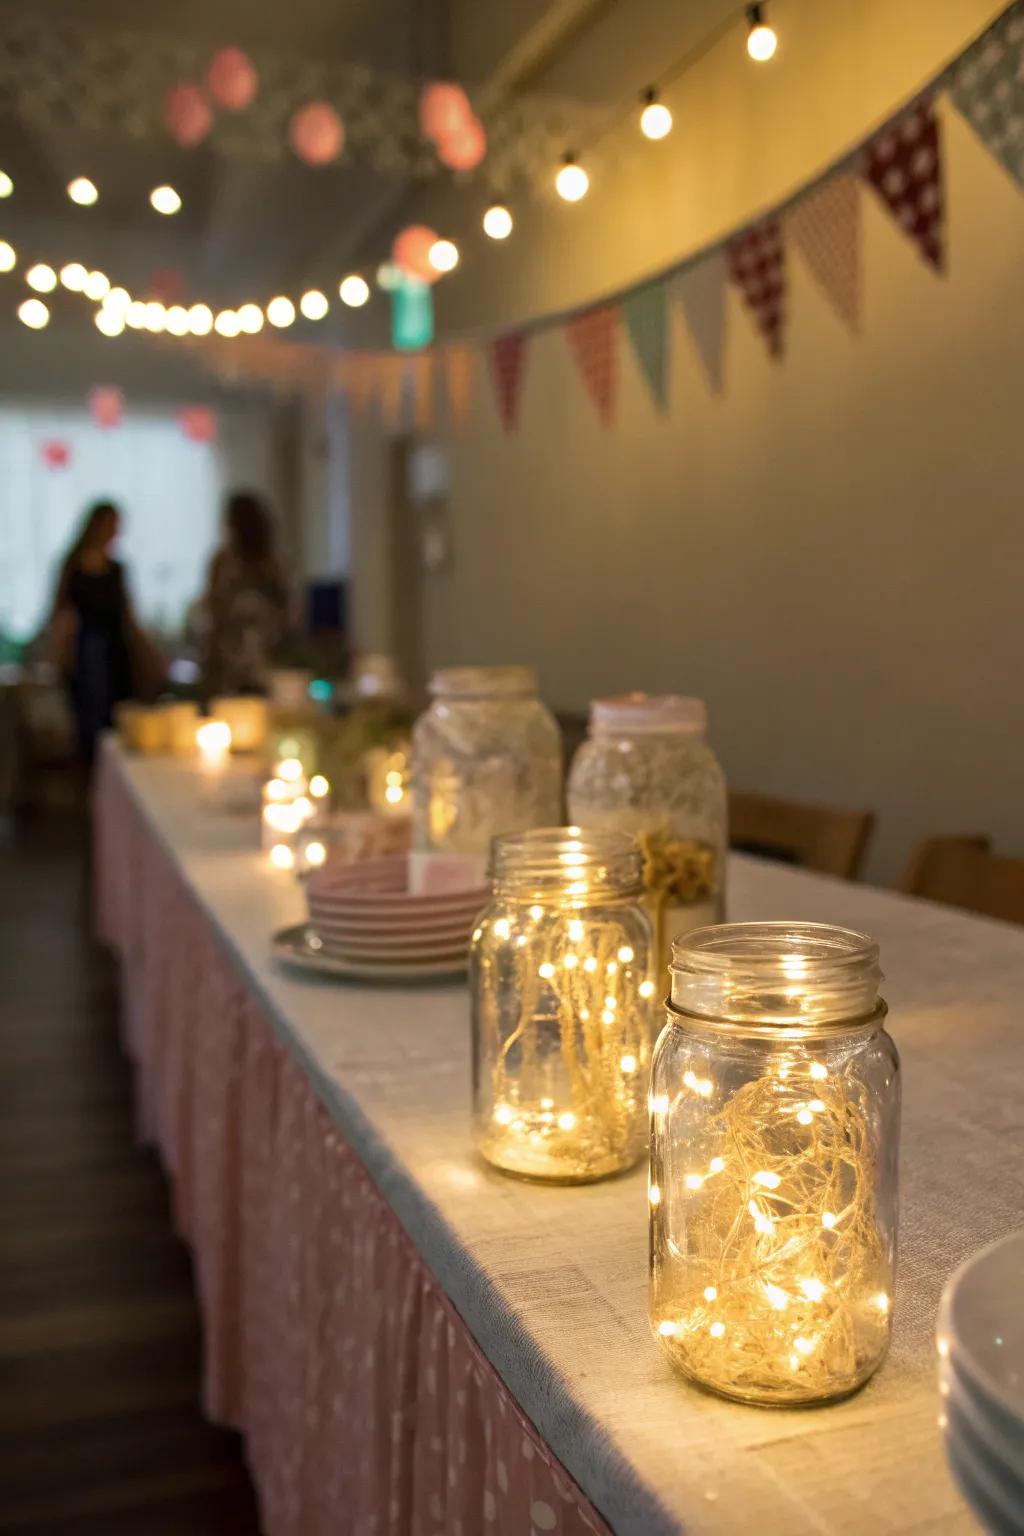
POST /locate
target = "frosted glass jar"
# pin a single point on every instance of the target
(646, 768)
(486, 759)
(775, 1104)
(562, 999)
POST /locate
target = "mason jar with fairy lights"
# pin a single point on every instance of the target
(646, 768)
(486, 759)
(775, 1105)
(560, 978)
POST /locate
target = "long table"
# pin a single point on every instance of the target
(411, 1342)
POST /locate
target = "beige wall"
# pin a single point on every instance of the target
(832, 553)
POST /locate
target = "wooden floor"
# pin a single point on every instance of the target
(100, 1429)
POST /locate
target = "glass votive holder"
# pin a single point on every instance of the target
(774, 1107)
(561, 986)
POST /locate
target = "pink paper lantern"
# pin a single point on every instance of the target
(232, 80)
(411, 252)
(198, 423)
(317, 133)
(463, 148)
(444, 108)
(106, 405)
(187, 114)
(56, 453)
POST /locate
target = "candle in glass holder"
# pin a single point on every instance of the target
(773, 1186)
(213, 745)
(247, 716)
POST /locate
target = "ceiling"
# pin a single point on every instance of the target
(81, 93)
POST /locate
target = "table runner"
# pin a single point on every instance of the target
(303, 1083)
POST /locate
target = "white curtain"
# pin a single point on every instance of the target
(168, 489)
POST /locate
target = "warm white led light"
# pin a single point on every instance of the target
(165, 200)
(281, 311)
(73, 276)
(250, 319)
(135, 315)
(97, 286)
(109, 321)
(156, 316)
(33, 313)
(41, 277)
(444, 256)
(177, 320)
(498, 222)
(319, 786)
(117, 299)
(8, 256)
(572, 182)
(200, 320)
(655, 120)
(354, 290)
(226, 323)
(314, 304)
(761, 39)
(82, 191)
(6, 184)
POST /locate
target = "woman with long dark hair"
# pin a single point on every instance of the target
(246, 602)
(92, 625)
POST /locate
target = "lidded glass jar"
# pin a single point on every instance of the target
(775, 1104)
(560, 979)
(486, 759)
(646, 768)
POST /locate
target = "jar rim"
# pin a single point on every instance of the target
(483, 682)
(787, 974)
(643, 714)
(571, 861)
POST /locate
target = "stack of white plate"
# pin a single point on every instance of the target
(365, 913)
(981, 1378)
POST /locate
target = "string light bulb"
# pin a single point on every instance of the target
(156, 317)
(444, 256)
(117, 299)
(109, 321)
(165, 200)
(281, 311)
(655, 119)
(41, 277)
(226, 323)
(33, 313)
(498, 222)
(354, 290)
(96, 286)
(8, 256)
(761, 39)
(6, 184)
(388, 276)
(250, 319)
(135, 315)
(200, 319)
(572, 181)
(177, 320)
(313, 304)
(83, 191)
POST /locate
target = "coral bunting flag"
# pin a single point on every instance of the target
(106, 405)
(757, 265)
(458, 379)
(508, 354)
(592, 342)
(644, 313)
(700, 290)
(825, 228)
(56, 453)
(903, 165)
(988, 88)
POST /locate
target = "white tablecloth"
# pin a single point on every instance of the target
(552, 1282)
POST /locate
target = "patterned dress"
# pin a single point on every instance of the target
(247, 615)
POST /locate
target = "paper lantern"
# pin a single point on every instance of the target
(316, 133)
(198, 423)
(106, 405)
(411, 252)
(56, 453)
(463, 148)
(444, 108)
(232, 80)
(187, 114)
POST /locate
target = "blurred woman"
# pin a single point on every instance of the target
(93, 626)
(245, 606)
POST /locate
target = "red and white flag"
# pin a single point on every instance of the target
(757, 265)
(904, 166)
(508, 355)
(592, 342)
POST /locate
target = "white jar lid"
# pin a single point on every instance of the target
(636, 713)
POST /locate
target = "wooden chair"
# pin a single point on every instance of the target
(964, 872)
(810, 836)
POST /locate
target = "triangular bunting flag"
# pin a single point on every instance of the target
(903, 165)
(647, 326)
(591, 338)
(700, 290)
(987, 86)
(508, 354)
(458, 376)
(825, 228)
(757, 265)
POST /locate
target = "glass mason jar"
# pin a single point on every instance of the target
(486, 759)
(646, 768)
(775, 1105)
(560, 978)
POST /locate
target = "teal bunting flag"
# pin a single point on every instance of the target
(987, 86)
(645, 313)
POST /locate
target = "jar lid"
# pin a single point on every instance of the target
(798, 977)
(567, 861)
(636, 714)
(483, 682)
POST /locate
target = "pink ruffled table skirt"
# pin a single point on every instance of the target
(365, 1404)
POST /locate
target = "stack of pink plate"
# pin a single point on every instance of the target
(365, 913)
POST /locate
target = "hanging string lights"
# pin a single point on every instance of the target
(165, 200)
(73, 276)
(96, 286)
(444, 256)
(281, 312)
(33, 313)
(354, 290)
(83, 191)
(8, 256)
(761, 38)
(41, 277)
(250, 319)
(572, 181)
(6, 184)
(497, 222)
(655, 119)
(313, 304)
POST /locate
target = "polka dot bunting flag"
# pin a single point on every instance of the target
(904, 167)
